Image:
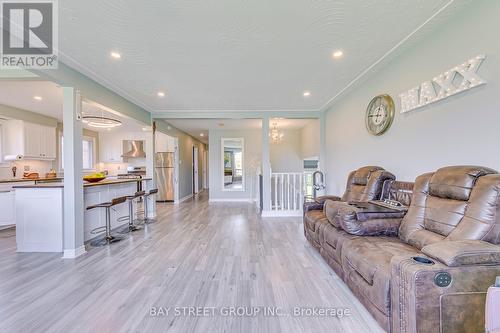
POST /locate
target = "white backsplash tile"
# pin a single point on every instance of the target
(42, 167)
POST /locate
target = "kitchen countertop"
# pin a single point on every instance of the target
(86, 184)
(19, 180)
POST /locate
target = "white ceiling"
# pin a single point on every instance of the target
(234, 54)
(195, 127)
(20, 94)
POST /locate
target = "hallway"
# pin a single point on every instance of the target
(218, 256)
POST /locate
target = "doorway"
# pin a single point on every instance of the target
(195, 170)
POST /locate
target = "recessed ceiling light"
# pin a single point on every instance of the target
(307, 93)
(161, 94)
(201, 134)
(337, 54)
(116, 55)
(38, 98)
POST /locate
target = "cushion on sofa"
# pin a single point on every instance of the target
(366, 262)
(465, 252)
(456, 182)
(443, 206)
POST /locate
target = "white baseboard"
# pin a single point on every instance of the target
(74, 253)
(187, 197)
(281, 213)
(229, 200)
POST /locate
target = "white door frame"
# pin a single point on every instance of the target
(204, 169)
(196, 178)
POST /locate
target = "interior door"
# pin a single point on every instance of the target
(195, 170)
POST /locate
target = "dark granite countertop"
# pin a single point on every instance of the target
(20, 180)
(86, 184)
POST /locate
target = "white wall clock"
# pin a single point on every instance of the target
(379, 114)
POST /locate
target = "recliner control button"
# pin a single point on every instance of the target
(442, 279)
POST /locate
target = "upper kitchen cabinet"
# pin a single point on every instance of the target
(110, 148)
(31, 141)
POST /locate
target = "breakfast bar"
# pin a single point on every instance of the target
(39, 211)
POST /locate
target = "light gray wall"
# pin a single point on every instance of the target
(186, 143)
(251, 163)
(463, 129)
(286, 155)
(310, 144)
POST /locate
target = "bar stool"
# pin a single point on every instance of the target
(146, 219)
(131, 226)
(108, 239)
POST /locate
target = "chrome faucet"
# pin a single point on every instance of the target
(318, 182)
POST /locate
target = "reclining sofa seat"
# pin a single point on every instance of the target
(364, 184)
(454, 220)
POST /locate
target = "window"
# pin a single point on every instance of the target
(88, 157)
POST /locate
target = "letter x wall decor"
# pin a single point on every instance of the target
(455, 80)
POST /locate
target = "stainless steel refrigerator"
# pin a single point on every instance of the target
(164, 173)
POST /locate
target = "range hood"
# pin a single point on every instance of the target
(133, 149)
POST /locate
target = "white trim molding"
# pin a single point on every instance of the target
(74, 253)
(230, 200)
(281, 213)
(187, 197)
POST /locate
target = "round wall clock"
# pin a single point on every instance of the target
(379, 114)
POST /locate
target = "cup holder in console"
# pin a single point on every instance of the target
(423, 260)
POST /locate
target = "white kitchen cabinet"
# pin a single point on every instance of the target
(32, 141)
(110, 148)
(8, 208)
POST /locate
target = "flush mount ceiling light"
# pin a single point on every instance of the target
(337, 54)
(38, 98)
(201, 134)
(160, 94)
(307, 93)
(101, 122)
(115, 55)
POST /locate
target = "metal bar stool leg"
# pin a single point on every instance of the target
(108, 238)
(131, 226)
(148, 220)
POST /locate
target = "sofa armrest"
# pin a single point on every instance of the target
(457, 306)
(319, 203)
(464, 252)
(323, 198)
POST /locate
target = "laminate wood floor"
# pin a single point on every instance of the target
(223, 257)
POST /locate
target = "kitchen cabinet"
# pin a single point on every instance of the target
(110, 148)
(8, 208)
(32, 141)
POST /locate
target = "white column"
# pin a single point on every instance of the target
(266, 167)
(322, 146)
(73, 229)
(150, 157)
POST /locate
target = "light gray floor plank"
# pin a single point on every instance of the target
(198, 254)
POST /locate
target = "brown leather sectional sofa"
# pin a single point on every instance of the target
(424, 271)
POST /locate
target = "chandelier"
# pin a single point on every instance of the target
(275, 135)
(101, 122)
